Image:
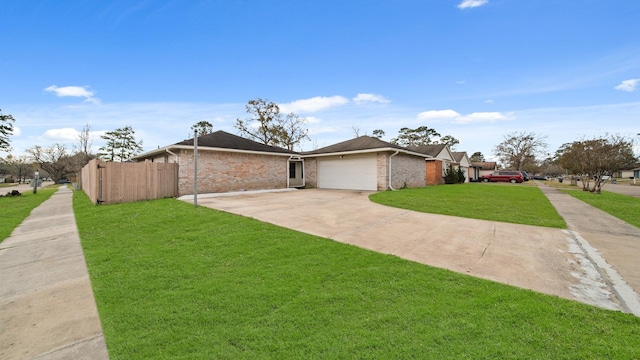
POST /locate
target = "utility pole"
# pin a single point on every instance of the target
(195, 168)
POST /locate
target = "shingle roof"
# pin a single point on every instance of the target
(224, 140)
(458, 155)
(487, 165)
(359, 143)
(432, 150)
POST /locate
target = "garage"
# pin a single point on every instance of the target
(349, 172)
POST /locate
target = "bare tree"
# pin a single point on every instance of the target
(356, 130)
(53, 159)
(520, 147)
(595, 159)
(19, 166)
(270, 127)
(85, 140)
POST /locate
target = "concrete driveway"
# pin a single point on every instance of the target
(531, 257)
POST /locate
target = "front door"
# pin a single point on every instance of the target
(296, 173)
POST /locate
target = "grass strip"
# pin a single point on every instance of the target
(16, 208)
(624, 207)
(511, 203)
(174, 281)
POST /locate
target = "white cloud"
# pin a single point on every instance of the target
(472, 3)
(628, 85)
(64, 134)
(16, 131)
(370, 98)
(483, 117)
(489, 101)
(438, 114)
(312, 119)
(457, 118)
(461, 82)
(313, 104)
(74, 91)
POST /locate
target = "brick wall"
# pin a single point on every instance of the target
(230, 171)
(407, 171)
(311, 172)
(434, 172)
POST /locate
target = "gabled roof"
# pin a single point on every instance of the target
(433, 150)
(361, 144)
(458, 155)
(224, 140)
(221, 141)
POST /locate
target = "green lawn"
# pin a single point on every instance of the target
(176, 282)
(16, 208)
(623, 207)
(512, 203)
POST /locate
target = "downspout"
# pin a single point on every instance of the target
(169, 151)
(289, 170)
(392, 155)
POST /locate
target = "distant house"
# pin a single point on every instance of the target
(464, 163)
(437, 165)
(632, 172)
(478, 169)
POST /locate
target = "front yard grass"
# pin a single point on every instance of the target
(16, 208)
(626, 208)
(512, 203)
(174, 281)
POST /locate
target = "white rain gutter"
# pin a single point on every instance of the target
(176, 156)
(392, 155)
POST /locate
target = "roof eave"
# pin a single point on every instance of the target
(365, 151)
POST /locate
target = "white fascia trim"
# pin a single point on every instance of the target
(205, 148)
(367, 151)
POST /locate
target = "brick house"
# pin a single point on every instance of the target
(229, 163)
(440, 157)
(365, 163)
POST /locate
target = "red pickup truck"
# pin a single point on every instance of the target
(506, 176)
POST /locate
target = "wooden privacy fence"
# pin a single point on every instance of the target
(114, 182)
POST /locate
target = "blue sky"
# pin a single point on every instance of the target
(473, 69)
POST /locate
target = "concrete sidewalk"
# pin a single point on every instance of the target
(610, 244)
(47, 308)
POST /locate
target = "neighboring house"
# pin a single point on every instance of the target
(464, 163)
(227, 162)
(632, 172)
(478, 169)
(440, 159)
(365, 163)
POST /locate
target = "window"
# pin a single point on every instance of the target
(292, 170)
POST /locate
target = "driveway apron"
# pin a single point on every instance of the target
(530, 257)
(610, 244)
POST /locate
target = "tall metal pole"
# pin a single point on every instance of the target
(195, 168)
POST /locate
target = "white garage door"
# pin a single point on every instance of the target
(351, 172)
